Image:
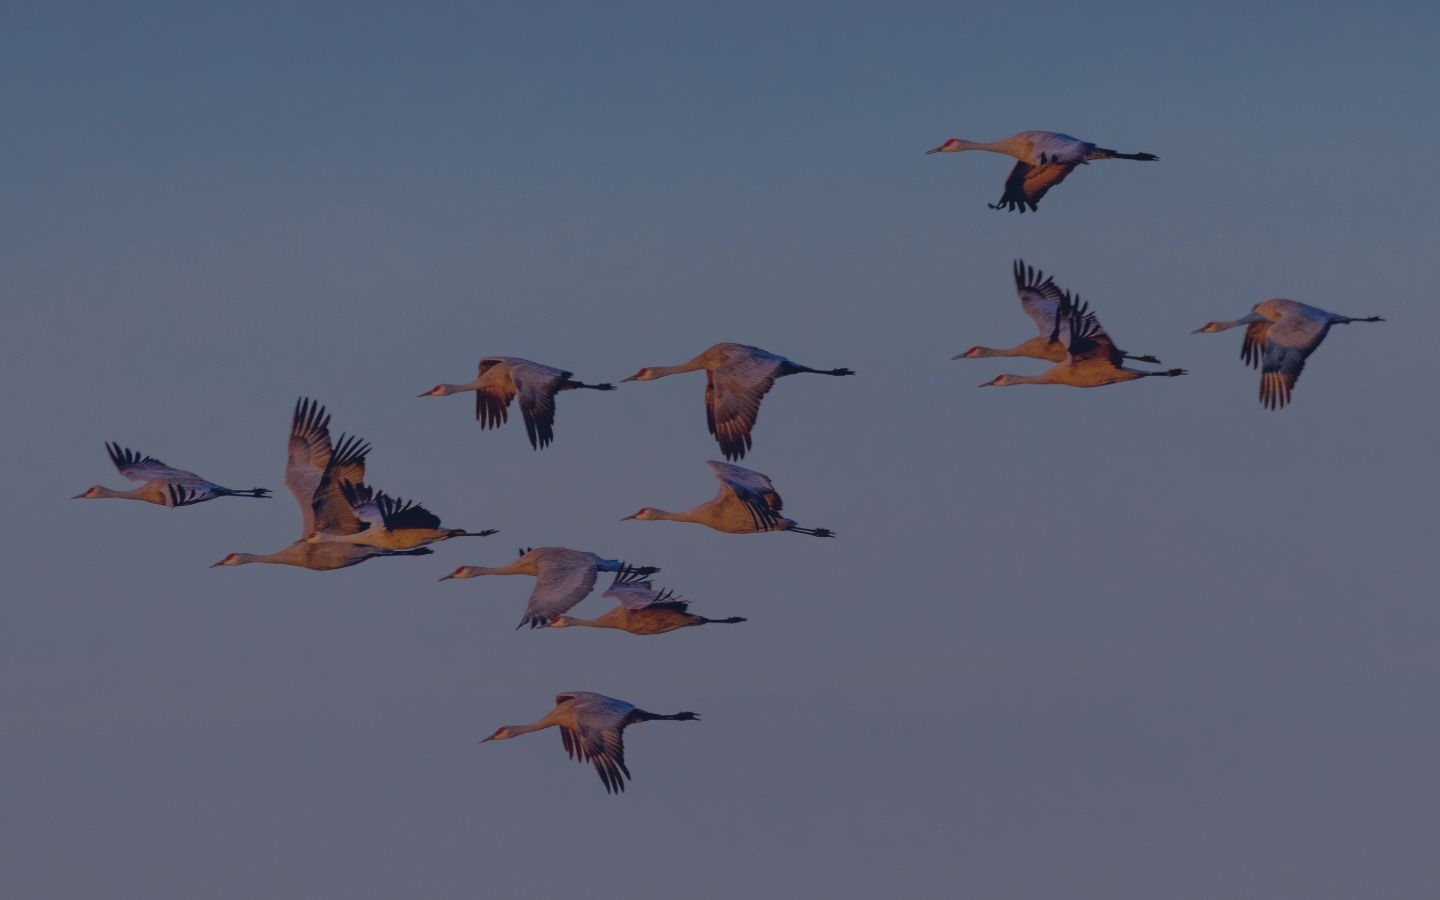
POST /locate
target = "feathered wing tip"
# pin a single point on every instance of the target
(628, 574)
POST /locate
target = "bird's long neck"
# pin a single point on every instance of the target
(133, 494)
(693, 365)
(533, 726)
(1007, 146)
(667, 515)
(1046, 377)
(519, 567)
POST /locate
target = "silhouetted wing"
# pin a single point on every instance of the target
(1039, 296)
(633, 590)
(1288, 343)
(733, 393)
(752, 489)
(402, 514)
(1027, 184)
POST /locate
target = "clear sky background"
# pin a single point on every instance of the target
(1146, 641)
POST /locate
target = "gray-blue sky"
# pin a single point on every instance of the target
(1142, 641)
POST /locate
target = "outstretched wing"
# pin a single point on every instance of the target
(753, 490)
(732, 399)
(632, 589)
(308, 455)
(563, 581)
(493, 396)
(363, 501)
(144, 468)
(402, 514)
(1027, 184)
(331, 511)
(1039, 296)
(1253, 347)
(537, 385)
(1088, 340)
(1288, 343)
(595, 737)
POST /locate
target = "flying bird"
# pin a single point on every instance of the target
(592, 727)
(1093, 359)
(503, 378)
(391, 523)
(161, 484)
(1279, 336)
(316, 472)
(1040, 298)
(737, 377)
(563, 578)
(642, 610)
(747, 502)
(1045, 158)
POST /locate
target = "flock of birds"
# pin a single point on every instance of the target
(345, 521)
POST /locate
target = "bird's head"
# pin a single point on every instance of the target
(437, 391)
(462, 572)
(972, 353)
(1210, 328)
(642, 375)
(953, 145)
(501, 733)
(646, 514)
(91, 493)
(234, 559)
(1000, 381)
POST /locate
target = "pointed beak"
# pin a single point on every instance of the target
(960, 355)
(623, 380)
(987, 384)
(426, 394)
(448, 577)
(629, 517)
(218, 564)
(488, 739)
(1200, 330)
(78, 497)
(936, 150)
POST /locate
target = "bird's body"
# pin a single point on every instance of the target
(1279, 336)
(1092, 359)
(1042, 300)
(501, 379)
(642, 610)
(1043, 159)
(746, 503)
(160, 484)
(563, 577)
(316, 473)
(591, 727)
(393, 524)
(737, 378)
